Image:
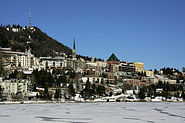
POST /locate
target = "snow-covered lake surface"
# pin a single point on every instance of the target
(126, 112)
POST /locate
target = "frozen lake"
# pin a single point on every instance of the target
(94, 113)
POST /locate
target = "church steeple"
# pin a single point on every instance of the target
(74, 45)
(74, 49)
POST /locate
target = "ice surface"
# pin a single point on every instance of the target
(120, 112)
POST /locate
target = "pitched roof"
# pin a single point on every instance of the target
(113, 58)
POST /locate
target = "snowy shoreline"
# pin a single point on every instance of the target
(55, 102)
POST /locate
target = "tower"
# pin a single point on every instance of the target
(74, 50)
(30, 18)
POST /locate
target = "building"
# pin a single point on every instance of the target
(14, 86)
(98, 67)
(136, 82)
(165, 80)
(152, 79)
(183, 69)
(126, 67)
(53, 62)
(112, 63)
(75, 64)
(149, 73)
(139, 67)
(23, 60)
(19, 59)
(12, 60)
(92, 79)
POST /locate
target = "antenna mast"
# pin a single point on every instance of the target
(30, 18)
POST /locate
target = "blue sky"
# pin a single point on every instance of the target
(148, 31)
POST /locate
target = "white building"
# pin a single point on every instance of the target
(165, 80)
(92, 79)
(24, 60)
(53, 62)
(13, 86)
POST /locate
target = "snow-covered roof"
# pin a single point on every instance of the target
(84, 79)
(151, 77)
(27, 72)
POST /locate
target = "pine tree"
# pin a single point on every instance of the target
(46, 93)
(57, 94)
(183, 95)
(94, 89)
(71, 90)
(1, 92)
(100, 90)
(142, 93)
(87, 89)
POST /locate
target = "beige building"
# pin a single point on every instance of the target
(165, 80)
(152, 79)
(136, 82)
(149, 73)
(139, 67)
(13, 86)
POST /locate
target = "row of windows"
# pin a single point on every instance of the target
(53, 64)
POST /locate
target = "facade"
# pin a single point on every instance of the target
(112, 63)
(23, 60)
(97, 66)
(127, 67)
(165, 80)
(92, 80)
(152, 79)
(149, 73)
(13, 86)
(136, 82)
(183, 69)
(18, 59)
(75, 64)
(139, 67)
(53, 62)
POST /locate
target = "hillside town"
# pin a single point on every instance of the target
(62, 77)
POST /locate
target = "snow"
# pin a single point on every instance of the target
(78, 98)
(33, 94)
(28, 72)
(84, 79)
(163, 112)
(41, 89)
(158, 99)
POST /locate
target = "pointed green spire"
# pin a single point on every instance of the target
(113, 58)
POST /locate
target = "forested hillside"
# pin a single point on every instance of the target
(19, 38)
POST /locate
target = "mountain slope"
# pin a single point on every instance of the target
(21, 38)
